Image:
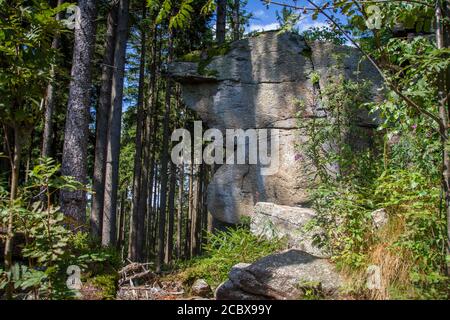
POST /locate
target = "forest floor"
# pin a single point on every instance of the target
(138, 282)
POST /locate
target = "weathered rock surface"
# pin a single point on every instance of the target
(287, 275)
(276, 221)
(201, 288)
(258, 84)
(379, 218)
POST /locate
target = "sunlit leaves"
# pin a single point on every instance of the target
(27, 29)
(178, 13)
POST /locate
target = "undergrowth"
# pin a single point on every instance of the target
(223, 250)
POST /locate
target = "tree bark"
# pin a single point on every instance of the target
(443, 91)
(114, 129)
(15, 164)
(180, 213)
(164, 161)
(236, 20)
(221, 21)
(139, 177)
(50, 100)
(74, 160)
(122, 219)
(187, 243)
(102, 116)
(170, 228)
(196, 217)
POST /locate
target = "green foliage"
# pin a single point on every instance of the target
(204, 58)
(223, 250)
(324, 34)
(107, 283)
(178, 13)
(410, 249)
(50, 245)
(329, 120)
(288, 19)
(417, 230)
(26, 32)
(311, 290)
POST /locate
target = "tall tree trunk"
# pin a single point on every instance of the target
(122, 219)
(154, 212)
(164, 160)
(443, 90)
(50, 100)
(196, 212)
(15, 165)
(221, 21)
(187, 244)
(102, 116)
(180, 213)
(204, 208)
(114, 129)
(74, 160)
(236, 20)
(139, 189)
(170, 228)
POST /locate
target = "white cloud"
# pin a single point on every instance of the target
(260, 14)
(264, 27)
(303, 26)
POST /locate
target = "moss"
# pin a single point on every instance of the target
(311, 290)
(107, 283)
(210, 54)
(203, 62)
(194, 56)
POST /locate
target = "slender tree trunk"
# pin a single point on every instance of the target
(236, 20)
(221, 21)
(149, 141)
(122, 219)
(140, 175)
(114, 129)
(204, 209)
(154, 211)
(164, 161)
(50, 101)
(187, 244)
(102, 116)
(74, 160)
(173, 179)
(180, 213)
(443, 91)
(18, 145)
(196, 212)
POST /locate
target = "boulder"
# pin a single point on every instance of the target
(201, 288)
(379, 218)
(259, 83)
(275, 221)
(289, 275)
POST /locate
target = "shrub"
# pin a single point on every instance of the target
(223, 250)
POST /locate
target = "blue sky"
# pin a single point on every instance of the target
(265, 18)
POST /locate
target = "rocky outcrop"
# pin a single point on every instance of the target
(290, 223)
(257, 83)
(288, 275)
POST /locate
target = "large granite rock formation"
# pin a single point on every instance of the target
(287, 275)
(257, 83)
